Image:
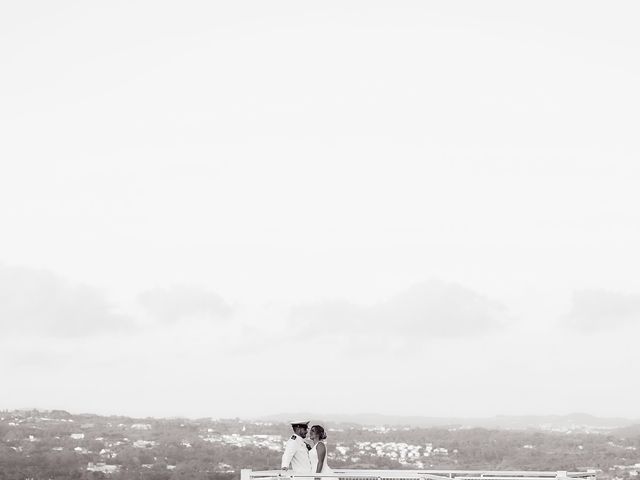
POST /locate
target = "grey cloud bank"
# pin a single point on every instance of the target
(43, 304)
(243, 349)
(40, 303)
(182, 302)
(603, 310)
(429, 309)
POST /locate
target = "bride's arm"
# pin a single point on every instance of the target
(322, 452)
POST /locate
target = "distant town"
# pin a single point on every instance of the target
(56, 444)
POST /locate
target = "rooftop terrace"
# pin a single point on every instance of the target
(349, 474)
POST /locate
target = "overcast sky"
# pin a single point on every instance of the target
(243, 208)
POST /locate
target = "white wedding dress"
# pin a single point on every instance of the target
(313, 456)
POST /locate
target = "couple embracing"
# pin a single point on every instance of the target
(306, 456)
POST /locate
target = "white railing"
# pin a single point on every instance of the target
(248, 474)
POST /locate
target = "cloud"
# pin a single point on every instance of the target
(429, 309)
(598, 310)
(38, 302)
(39, 357)
(177, 303)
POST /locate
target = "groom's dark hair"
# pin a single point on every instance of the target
(320, 431)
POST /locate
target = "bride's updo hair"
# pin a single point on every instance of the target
(320, 431)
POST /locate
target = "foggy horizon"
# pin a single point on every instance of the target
(335, 417)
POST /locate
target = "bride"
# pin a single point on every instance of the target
(318, 453)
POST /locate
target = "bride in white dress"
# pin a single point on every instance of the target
(318, 453)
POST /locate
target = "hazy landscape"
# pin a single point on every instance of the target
(59, 445)
(571, 422)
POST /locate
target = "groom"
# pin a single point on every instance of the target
(296, 452)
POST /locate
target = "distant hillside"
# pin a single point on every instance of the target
(628, 432)
(574, 421)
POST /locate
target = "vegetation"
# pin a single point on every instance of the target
(57, 445)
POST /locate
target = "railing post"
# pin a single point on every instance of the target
(245, 474)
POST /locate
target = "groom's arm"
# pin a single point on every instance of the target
(289, 451)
